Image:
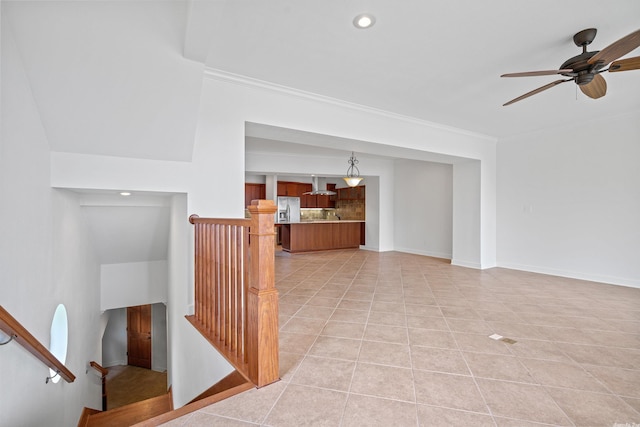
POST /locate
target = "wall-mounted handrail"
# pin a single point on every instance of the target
(21, 335)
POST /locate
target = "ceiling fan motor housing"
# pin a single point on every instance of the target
(583, 72)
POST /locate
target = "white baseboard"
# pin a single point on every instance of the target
(424, 253)
(611, 280)
(467, 264)
(114, 363)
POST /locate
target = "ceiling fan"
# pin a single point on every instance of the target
(585, 69)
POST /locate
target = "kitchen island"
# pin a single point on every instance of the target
(321, 235)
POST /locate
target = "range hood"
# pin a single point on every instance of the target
(315, 189)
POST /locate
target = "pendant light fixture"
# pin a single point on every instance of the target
(353, 173)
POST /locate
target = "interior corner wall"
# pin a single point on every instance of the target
(44, 260)
(159, 337)
(373, 212)
(193, 364)
(466, 241)
(114, 340)
(423, 208)
(569, 201)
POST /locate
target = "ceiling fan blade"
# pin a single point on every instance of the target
(537, 73)
(617, 49)
(596, 88)
(625, 64)
(533, 92)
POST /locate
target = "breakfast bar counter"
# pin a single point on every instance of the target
(321, 235)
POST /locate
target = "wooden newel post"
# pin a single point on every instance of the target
(262, 304)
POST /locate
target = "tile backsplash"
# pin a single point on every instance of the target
(351, 209)
(345, 209)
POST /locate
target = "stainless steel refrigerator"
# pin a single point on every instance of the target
(288, 209)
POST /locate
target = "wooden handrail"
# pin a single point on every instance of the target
(236, 302)
(13, 328)
(97, 367)
(103, 380)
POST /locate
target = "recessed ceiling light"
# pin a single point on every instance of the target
(364, 20)
(125, 193)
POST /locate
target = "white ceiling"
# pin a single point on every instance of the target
(435, 60)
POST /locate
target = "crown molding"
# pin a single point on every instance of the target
(224, 76)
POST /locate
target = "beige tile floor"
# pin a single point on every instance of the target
(392, 339)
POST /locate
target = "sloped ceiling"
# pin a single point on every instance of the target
(127, 229)
(109, 77)
(129, 234)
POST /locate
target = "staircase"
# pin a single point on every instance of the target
(159, 410)
(236, 312)
(127, 415)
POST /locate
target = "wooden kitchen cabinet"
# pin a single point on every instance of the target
(254, 192)
(352, 193)
(321, 236)
(308, 200)
(297, 189)
(293, 189)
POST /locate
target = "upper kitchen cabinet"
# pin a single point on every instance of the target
(254, 192)
(351, 193)
(293, 189)
(297, 189)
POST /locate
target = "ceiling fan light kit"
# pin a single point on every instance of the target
(585, 69)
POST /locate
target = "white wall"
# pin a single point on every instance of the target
(45, 259)
(467, 211)
(114, 340)
(159, 337)
(423, 214)
(569, 201)
(131, 284)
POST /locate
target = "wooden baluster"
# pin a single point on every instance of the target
(224, 283)
(218, 286)
(229, 288)
(207, 263)
(204, 273)
(262, 298)
(240, 291)
(234, 288)
(197, 279)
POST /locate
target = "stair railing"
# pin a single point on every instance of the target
(14, 329)
(103, 380)
(236, 302)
